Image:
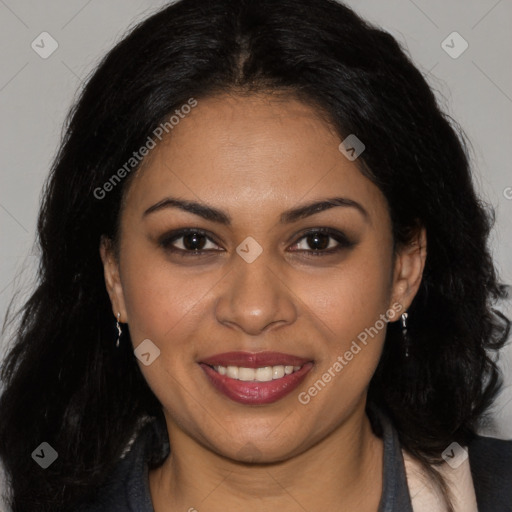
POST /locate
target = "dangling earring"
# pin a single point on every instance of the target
(405, 336)
(119, 330)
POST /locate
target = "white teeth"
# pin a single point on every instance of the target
(277, 372)
(232, 372)
(263, 374)
(246, 374)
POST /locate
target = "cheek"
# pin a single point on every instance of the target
(161, 299)
(346, 307)
(166, 305)
(351, 297)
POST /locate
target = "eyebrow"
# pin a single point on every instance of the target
(215, 215)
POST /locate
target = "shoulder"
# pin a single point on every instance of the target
(491, 469)
(127, 486)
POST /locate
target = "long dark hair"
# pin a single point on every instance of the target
(66, 384)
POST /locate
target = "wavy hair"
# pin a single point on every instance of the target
(64, 381)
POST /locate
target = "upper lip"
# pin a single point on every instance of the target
(254, 359)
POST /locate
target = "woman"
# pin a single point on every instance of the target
(265, 281)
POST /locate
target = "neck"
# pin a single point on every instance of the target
(341, 472)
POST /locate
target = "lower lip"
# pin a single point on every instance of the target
(256, 393)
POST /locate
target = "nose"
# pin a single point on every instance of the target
(254, 298)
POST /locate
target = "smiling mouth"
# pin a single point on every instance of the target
(261, 374)
(255, 379)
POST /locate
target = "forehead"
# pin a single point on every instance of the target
(244, 153)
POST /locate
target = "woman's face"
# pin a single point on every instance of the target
(240, 174)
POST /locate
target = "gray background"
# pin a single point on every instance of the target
(35, 94)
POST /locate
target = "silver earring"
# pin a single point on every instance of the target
(119, 330)
(405, 336)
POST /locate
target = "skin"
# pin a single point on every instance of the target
(254, 157)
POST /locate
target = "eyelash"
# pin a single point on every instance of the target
(344, 243)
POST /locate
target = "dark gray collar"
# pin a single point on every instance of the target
(395, 491)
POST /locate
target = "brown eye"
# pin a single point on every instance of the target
(194, 241)
(322, 241)
(318, 241)
(188, 242)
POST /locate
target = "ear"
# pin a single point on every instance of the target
(408, 269)
(112, 278)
